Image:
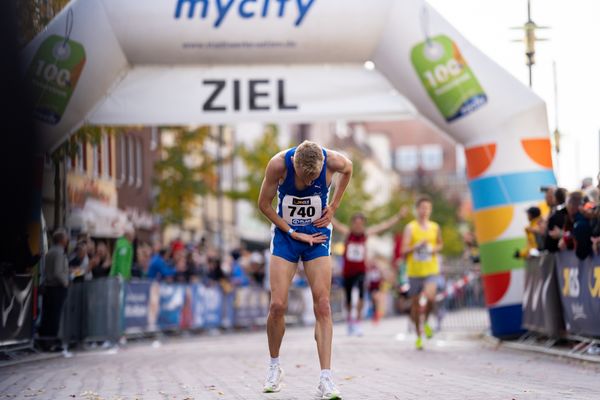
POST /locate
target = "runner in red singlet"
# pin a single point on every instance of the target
(355, 260)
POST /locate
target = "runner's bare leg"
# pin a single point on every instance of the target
(281, 273)
(318, 272)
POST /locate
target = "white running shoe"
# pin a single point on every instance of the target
(358, 329)
(350, 328)
(327, 389)
(274, 377)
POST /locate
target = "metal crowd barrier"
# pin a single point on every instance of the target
(92, 311)
(461, 294)
(105, 309)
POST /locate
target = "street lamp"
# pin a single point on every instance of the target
(530, 38)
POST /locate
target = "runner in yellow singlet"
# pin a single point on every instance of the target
(422, 241)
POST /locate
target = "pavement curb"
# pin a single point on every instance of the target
(559, 353)
(30, 359)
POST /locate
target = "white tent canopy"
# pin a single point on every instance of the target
(225, 61)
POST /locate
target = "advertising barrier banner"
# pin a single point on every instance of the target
(137, 307)
(207, 306)
(579, 281)
(100, 310)
(542, 310)
(17, 309)
(533, 315)
(172, 301)
(251, 306)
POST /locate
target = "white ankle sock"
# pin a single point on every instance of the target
(275, 361)
(325, 373)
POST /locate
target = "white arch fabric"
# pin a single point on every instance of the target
(223, 61)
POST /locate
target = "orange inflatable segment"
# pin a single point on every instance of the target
(491, 223)
(495, 287)
(479, 159)
(539, 151)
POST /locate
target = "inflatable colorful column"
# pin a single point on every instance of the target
(505, 177)
(503, 126)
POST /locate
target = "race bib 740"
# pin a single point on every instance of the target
(301, 211)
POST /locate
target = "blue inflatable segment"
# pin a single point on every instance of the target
(500, 190)
(506, 321)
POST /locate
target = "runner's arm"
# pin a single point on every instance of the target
(440, 243)
(341, 164)
(268, 191)
(406, 248)
(337, 162)
(341, 228)
(385, 225)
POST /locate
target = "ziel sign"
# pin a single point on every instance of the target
(262, 95)
(246, 9)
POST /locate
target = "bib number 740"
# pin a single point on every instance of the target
(300, 211)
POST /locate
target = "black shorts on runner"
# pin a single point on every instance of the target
(357, 280)
(417, 284)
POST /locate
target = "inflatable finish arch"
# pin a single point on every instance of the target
(223, 61)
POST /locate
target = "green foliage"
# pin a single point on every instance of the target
(355, 198)
(255, 160)
(185, 172)
(34, 15)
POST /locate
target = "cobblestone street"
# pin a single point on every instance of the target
(381, 365)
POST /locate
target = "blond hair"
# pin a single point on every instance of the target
(309, 158)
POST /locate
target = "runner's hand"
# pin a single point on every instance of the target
(596, 244)
(555, 233)
(313, 239)
(325, 219)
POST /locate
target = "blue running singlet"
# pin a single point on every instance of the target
(300, 208)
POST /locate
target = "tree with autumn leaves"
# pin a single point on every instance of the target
(186, 170)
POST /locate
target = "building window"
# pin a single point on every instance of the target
(130, 161)
(109, 152)
(432, 157)
(79, 160)
(95, 160)
(84, 156)
(100, 148)
(138, 163)
(71, 162)
(122, 160)
(154, 138)
(407, 158)
(104, 156)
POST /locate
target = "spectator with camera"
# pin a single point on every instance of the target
(533, 234)
(556, 221)
(577, 231)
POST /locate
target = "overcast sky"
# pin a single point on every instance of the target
(573, 45)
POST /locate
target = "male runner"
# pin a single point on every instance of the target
(421, 245)
(300, 177)
(355, 260)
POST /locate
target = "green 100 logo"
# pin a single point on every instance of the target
(443, 72)
(51, 73)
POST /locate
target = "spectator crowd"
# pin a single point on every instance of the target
(566, 221)
(82, 258)
(179, 262)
